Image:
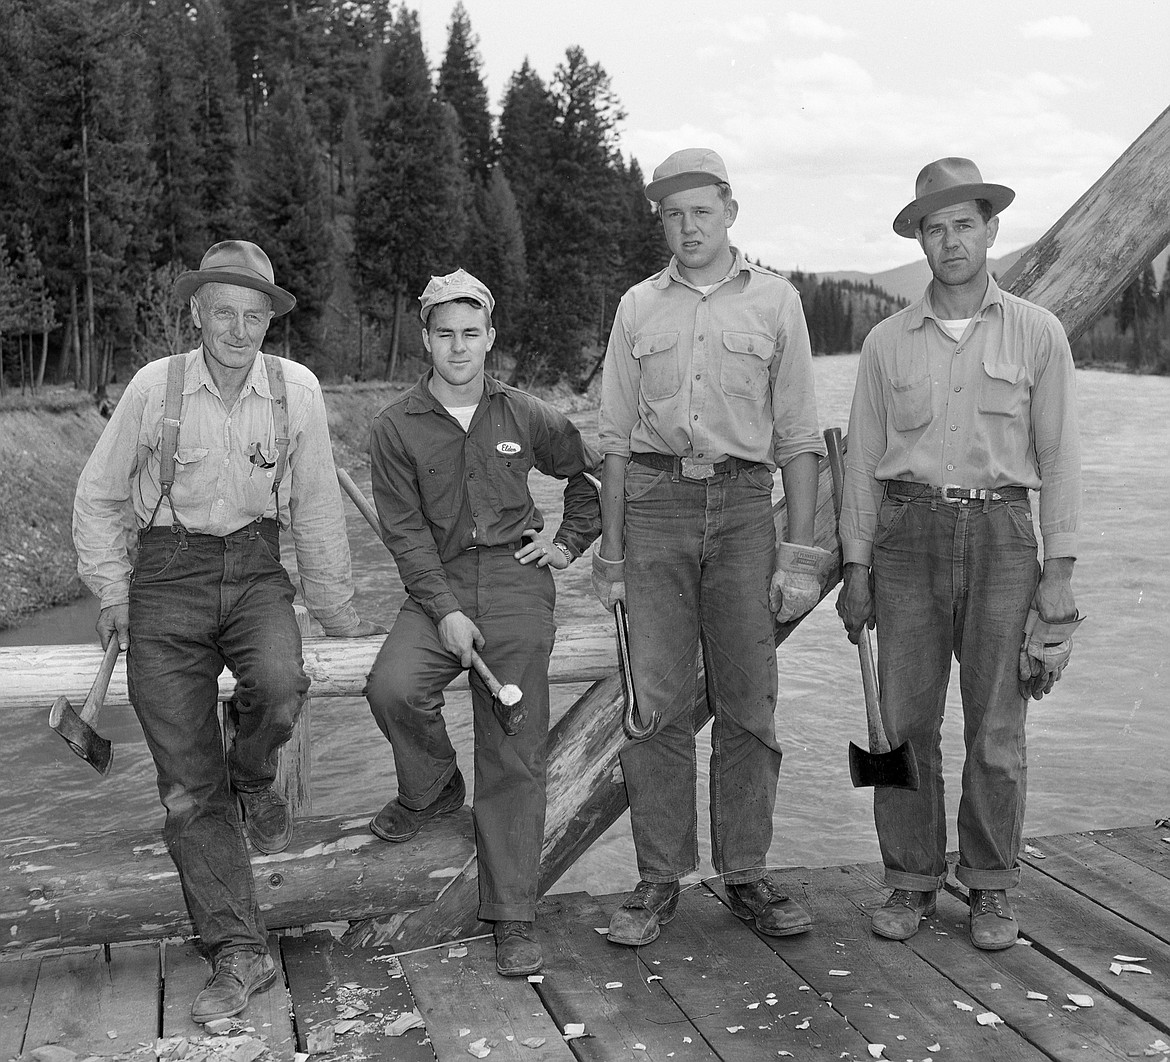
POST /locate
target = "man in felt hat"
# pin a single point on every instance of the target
(207, 456)
(708, 388)
(450, 460)
(965, 401)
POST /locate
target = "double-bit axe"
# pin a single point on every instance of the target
(77, 727)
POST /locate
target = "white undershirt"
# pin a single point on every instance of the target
(954, 328)
(463, 414)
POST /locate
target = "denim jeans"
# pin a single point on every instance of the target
(699, 558)
(512, 605)
(198, 603)
(953, 578)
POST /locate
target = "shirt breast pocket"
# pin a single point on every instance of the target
(1002, 389)
(657, 357)
(910, 402)
(440, 492)
(744, 372)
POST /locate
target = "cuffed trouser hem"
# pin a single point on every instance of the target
(900, 879)
(507, 912)
(744, 877)
(665, 877)
(432, 794)
(231, 949)
(988, 879)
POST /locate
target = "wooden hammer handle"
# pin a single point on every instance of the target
(485, 673)
(97, 692)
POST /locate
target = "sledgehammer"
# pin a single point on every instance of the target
(507, 700)
(76, 728)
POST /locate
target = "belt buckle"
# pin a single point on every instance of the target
(692, 469)
(956, 495)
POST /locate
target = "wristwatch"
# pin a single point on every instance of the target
(565, 550)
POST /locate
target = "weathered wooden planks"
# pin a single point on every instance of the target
(122, 885)
(18, 981)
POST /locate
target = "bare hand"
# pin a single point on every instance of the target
(458, 635)
(855, 603)
(542, 549)
(114, 620)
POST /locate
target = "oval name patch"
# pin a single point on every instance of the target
(508, 448)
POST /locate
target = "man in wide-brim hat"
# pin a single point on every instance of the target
(964, 402)
(208, 455)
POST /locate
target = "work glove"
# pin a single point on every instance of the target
(609, 580)
(1044, 653)
(796, 586)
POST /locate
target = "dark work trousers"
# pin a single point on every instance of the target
(512, 605)
(953, 580)
(198, 603)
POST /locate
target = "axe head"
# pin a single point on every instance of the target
(81, 737)
(896, 769)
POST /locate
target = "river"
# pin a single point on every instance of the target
(1096, 746)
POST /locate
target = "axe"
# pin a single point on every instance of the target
(77, 729)
(881, 765)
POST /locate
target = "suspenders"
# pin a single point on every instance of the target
(173, 411)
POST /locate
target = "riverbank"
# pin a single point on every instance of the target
(44, 444)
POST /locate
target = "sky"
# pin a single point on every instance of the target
(825, 110)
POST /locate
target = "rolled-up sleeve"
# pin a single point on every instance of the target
(795, 425)
(865, 445)
(620, 383)
(1056, 437)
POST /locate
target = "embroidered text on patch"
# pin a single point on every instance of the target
(508, 448)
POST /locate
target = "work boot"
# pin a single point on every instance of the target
(765, 904)
(235, 977)
(650, 905)
(899, 916)
(517, 950)
(993, 924)
(396, 822)
(266, 819)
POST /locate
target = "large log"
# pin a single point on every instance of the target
(122, 885)
(586, 790)
(1105, 238)
(32, 676)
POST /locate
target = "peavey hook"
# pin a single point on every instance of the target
(630, 722)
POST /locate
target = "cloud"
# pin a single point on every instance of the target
(817, 29)
(1056, 28)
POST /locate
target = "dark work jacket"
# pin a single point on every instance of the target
(440, 490)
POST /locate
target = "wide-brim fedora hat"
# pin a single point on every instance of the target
(944, 183)
(688, 168)
(236, 262)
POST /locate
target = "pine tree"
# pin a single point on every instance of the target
(461, 85)
(495, 253)
(411, 211)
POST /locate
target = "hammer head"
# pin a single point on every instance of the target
(510, 709)
(896, 769)
(81, 737)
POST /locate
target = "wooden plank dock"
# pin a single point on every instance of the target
(709, 988)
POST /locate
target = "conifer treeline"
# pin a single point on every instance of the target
(135, 133)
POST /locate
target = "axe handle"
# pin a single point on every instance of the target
(97, 692)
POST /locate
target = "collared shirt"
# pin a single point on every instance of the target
(218, 486)
(995, 408)
(440, 490)
(710, 376)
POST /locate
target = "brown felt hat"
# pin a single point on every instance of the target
(944, 183)
(236, 262)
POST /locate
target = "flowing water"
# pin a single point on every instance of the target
(1096, 746)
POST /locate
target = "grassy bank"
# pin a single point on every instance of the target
(44, 443)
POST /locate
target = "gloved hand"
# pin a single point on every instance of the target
(796, 585)
(609, 580)
(1044, 653)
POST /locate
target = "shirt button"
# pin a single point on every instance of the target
(954, 427)
(950, 468)
(695, 417)
(227, 460)
(698, 376)
(700, 339)
(471, 475)
(957, 390)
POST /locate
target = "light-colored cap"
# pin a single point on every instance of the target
(235, 262)
(944, 183)
(689, 168)
(458, 285)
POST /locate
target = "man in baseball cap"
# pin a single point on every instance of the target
(707, 390)
(209, 455)
(964, 402)
(449, 465)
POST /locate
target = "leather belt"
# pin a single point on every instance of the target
(952, 494)
(689, 467)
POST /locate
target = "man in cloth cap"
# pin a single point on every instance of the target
(450, 460)
(707, 389)
(207, 456)
(964, 402)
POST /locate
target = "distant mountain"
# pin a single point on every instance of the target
(909, 281)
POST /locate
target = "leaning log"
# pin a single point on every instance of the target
(1080, 265)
